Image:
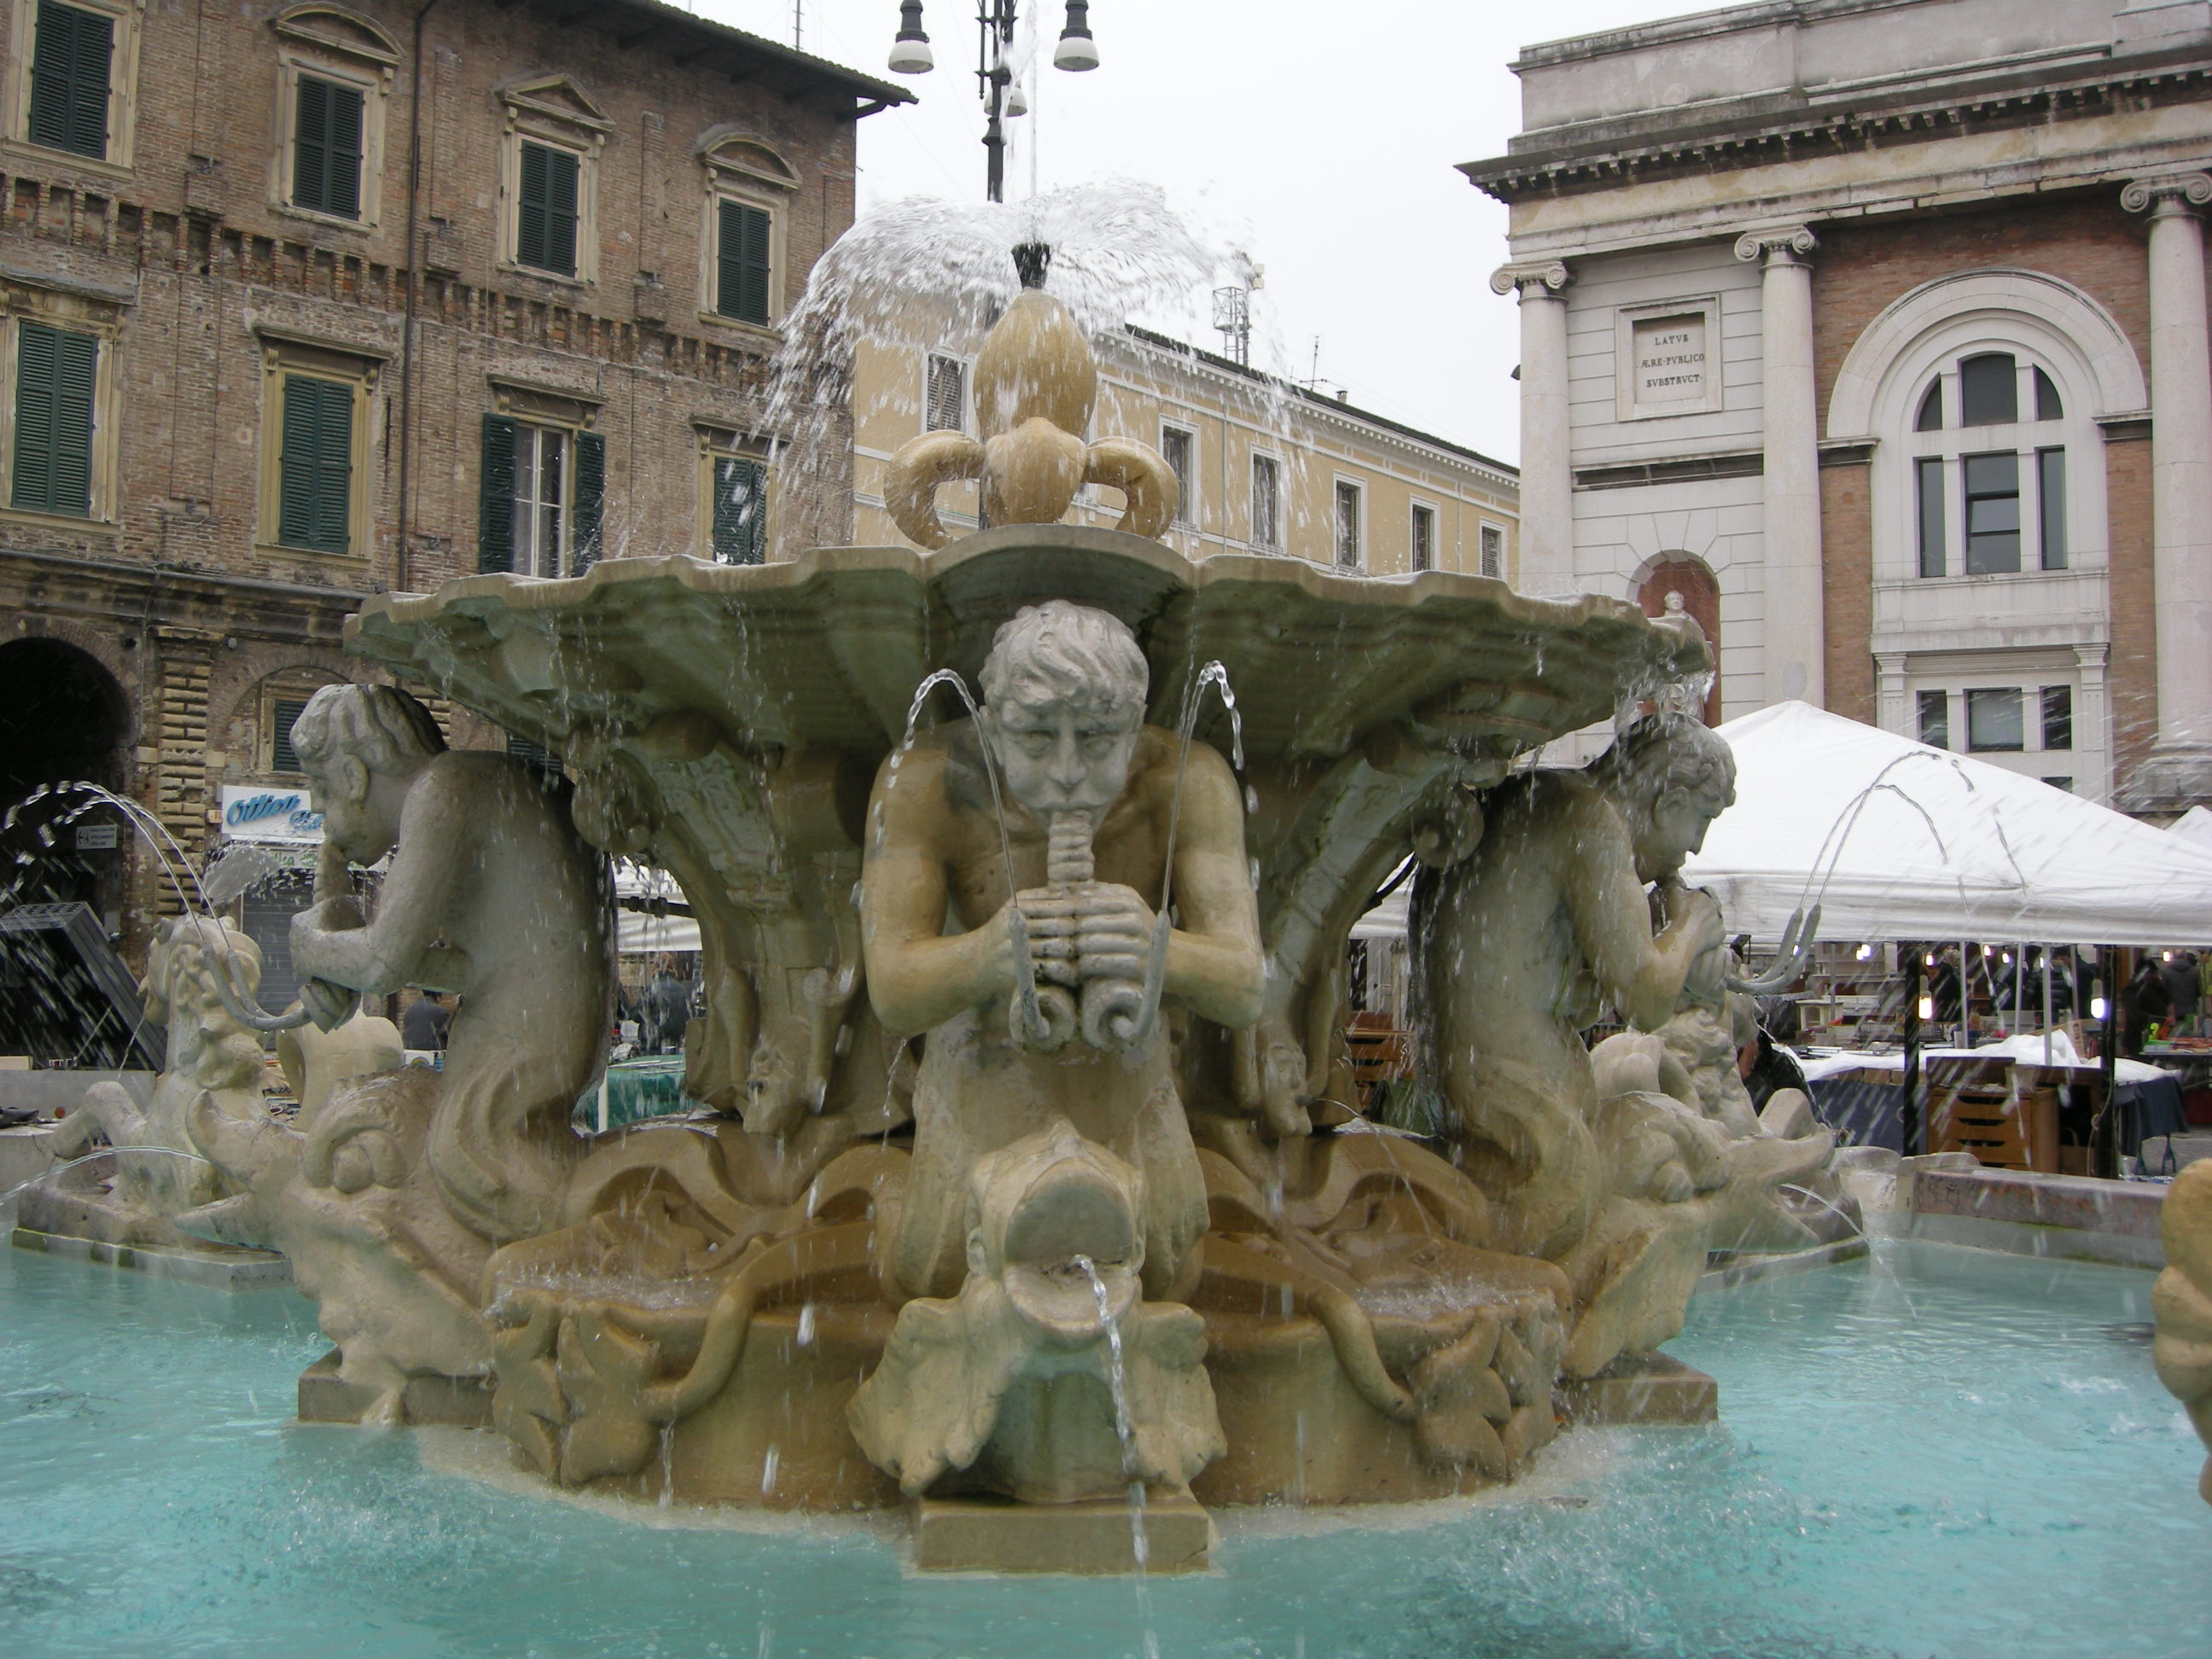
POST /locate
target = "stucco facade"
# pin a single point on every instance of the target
(1267, 467)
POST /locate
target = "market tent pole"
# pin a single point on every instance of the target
(1908, 1092)
(2104, 1146)
(2047, 1006)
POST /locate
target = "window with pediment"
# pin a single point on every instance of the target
(549, 179)
(334, 73)
(748, 190)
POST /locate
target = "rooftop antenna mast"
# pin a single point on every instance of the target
(1232, 309)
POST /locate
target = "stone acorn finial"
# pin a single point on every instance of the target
(1035, 385)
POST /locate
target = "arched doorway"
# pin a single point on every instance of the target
(63, 718)
(1701, 598)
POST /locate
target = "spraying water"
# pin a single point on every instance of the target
(1125, 1429)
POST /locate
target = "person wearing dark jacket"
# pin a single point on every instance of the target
(425, 1022)
(2145, 1000)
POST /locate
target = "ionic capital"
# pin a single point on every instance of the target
(2168, 193)
(1777, 245)
(1544, 277)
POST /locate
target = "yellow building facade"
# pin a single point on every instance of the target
(1266, 465)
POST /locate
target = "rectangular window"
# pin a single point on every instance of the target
(2057, 717)
(545, 226)
(1997, 720)
(282, 711)
(2050, 506)
(55, 375)
(945, 395)
(1493, 552)
(541, 500)
(740, 510)
(1177, 449)
(742, 267)
(1988, 390)
(326, 149)
(2067, 784)
(70, 79)
(1934, 557)
(1992, 515)
(1347, 525)
(1935, 719)
(1422, 543)
(1266, 501)
(314, 465)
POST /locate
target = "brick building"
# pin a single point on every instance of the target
(256, 365)
(1877, 329)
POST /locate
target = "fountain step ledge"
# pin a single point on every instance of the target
(221, 1270)
(2077, 1218)
(994, 1535)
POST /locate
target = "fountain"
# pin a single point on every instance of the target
(1031, 1195)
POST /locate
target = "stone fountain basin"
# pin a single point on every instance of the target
(826, 650)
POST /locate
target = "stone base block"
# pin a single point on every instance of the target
(461, 1402)
(220, 1268)
(1643, 1391)
(983, 1534)
(1723, 1272)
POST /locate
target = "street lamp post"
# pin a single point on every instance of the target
(996, 22)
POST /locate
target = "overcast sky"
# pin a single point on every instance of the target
(1320, 137)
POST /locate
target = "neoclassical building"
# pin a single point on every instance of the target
(1877, 330)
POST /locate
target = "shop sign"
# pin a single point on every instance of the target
(253, 813)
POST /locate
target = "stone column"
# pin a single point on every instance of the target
(1547, 479)
(1893, 708)
(2093, 722)
(1795, 640)
(2180, 769)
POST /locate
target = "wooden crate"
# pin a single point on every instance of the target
(1995, 1111)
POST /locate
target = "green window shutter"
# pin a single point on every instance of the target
(742, 271)
(740, 511)
(69, 79)
(545, 227)
(314, 465)
(589, 498)
(55, 375)
(496, 515)
(326, 157)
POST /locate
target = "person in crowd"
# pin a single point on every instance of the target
(2183, 991)
(2145, 1001)
(425, 1022)
(664, 1009)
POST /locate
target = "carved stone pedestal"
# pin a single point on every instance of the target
(460, 1402)
(1641, 1391)
(987, 1534)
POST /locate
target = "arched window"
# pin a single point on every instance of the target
(1691, 586)
(1978, 400)
(1988, 488)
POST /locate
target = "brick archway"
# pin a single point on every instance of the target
(1701, 597)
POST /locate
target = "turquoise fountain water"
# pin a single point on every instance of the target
(1939, 1453)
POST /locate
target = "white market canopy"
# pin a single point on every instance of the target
(1897, 840)
(1944, 847)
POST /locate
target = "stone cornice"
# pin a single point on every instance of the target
(2171, 192)
(1768, 128)
(1548, 275)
